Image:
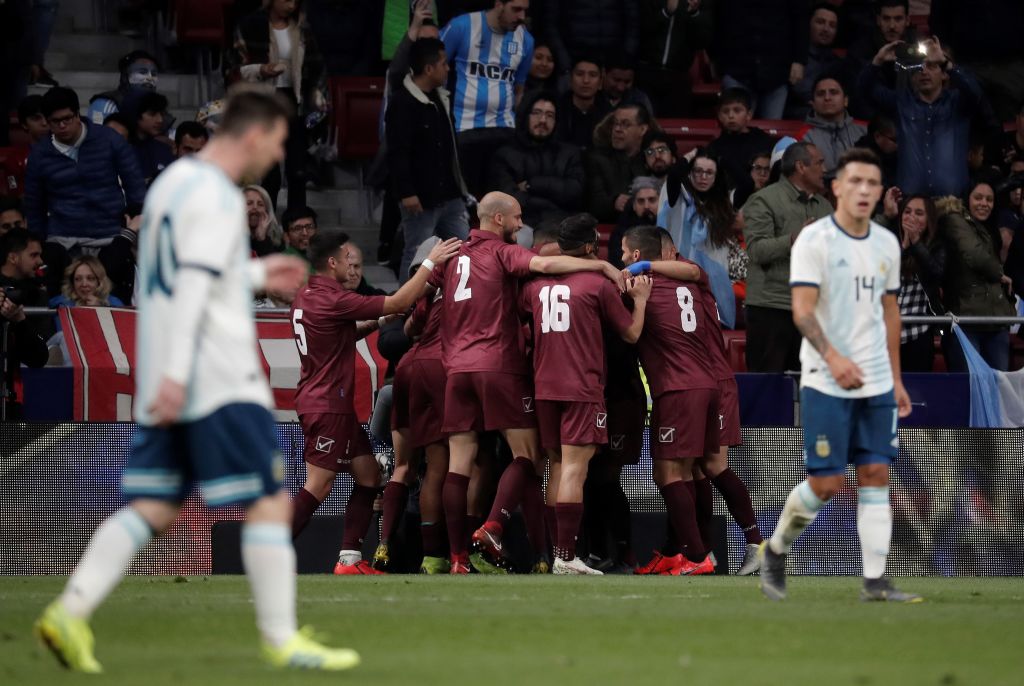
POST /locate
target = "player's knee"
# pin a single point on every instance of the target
(875, 474)
(158, 514)
(826, 487)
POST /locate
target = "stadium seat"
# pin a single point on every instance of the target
(705, 87)
(690, 133)
(356, 103)
(200, 25)
(782, 127)
(605, 233)
(736, 349)
(920, 22)
(12, 168)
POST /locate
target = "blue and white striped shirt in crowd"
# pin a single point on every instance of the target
(488, 67)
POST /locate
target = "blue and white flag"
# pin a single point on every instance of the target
(690, 234)
(997, 398)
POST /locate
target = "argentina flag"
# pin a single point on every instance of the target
(689, 232)
(997, 398)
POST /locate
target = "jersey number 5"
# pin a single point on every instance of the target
(462, 269)
(688, 317)
(300, 332)
(554, 309)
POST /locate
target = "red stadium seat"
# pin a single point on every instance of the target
(920, 22)
(736, 349)
(605, 232)
(201, 22)
(356, 103)
(690, 133)
(705, 87)
(782, 127)
(12, 169)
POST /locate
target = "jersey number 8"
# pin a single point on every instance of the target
(688, 317)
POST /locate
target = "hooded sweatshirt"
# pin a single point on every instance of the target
(832, 139)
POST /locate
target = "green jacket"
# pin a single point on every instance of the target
(773, 216)
(289, 250)
(971, 285)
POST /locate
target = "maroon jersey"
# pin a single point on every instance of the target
(568, 347)
(720, 369)
(672, 347)
(324, 319)
(480, 327)
(426, 318)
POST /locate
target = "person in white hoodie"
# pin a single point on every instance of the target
(831, 128)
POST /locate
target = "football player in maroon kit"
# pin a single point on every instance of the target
(489, 385)
(324, 317)
(568, 314)
(684, 420)
(417, 412)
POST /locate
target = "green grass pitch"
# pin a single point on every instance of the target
(543, 630)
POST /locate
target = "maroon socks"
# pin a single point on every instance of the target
(357, 516)
(737, 499)
(680, 506)
(454, 495)
(304, 504)
(569, 517)
(396, 495)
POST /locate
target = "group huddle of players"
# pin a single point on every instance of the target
(546, 351)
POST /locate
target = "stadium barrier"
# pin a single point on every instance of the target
(958, 506)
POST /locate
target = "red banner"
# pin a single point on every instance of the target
(101, 343)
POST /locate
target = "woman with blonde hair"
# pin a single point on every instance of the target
(265, 232)
(86, 284)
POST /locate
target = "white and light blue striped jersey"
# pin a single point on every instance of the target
(851, 274)
(194, 217)
(488, 67)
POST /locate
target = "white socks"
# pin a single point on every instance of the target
(801, 508)
(350, 557)
(112, 547)
(269, 561)
(874, 526)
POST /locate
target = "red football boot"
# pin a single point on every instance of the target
(361, 567)
(685, 567)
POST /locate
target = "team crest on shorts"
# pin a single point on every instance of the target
(822, 447)
(617, 441)
(666, 434)
(602, 420)
(527, 404)
(324, 444)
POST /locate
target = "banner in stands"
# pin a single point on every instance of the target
(101, 343)
(958, 508)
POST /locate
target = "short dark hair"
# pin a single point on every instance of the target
(30, 106)
(646, 239)
(825, 6)
(325, 245)
(858, 155)
(249, 105)
(424, 52)
(8, 203)
(59, 98)
(192, 129)
(654, 136)
(589, 59)
(577, 231)
(643, 117)
(16, 240)
(827, 77)
(735, 94)
(294, 214)
(150, 102)
(546, 232)
(797, 152)
(119, 118)
(883, 4)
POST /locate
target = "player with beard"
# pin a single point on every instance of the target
(684, 421)
(324, 316)
(488, 386)
(568, 314)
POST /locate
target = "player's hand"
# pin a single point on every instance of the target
(444, 250)
(796, 73)
(170, 400)
(639, 287)
(620, 202)
(886, 54)
(903, 406)
(285, 275)
(614, 275)
(412, 205)
(846, 373)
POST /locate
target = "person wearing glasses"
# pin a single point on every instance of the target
(79, 185)
(543, 174)
(616, 160)
(659, 154)
(299, 227)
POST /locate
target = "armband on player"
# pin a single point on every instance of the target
(638, 268)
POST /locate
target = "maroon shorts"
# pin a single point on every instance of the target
(729, 413)
(627, 414)
(567, 422)
(685, 424)
(488, 401)
(424, 402)
(333, 440)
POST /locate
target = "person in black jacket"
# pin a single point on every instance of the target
(20, 257)
(422, 157)
(543, 174)
(596, 27)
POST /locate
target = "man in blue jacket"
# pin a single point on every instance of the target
(80, 183)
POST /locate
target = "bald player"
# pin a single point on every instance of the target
(489, 385)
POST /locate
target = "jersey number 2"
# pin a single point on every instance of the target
(554, 309)
(462, 269)
(686, 315)
(300, 332)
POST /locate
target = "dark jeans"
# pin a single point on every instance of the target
(994, 347)
(773, 341)
(475, 150)
(918, 354)
(295, 154)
